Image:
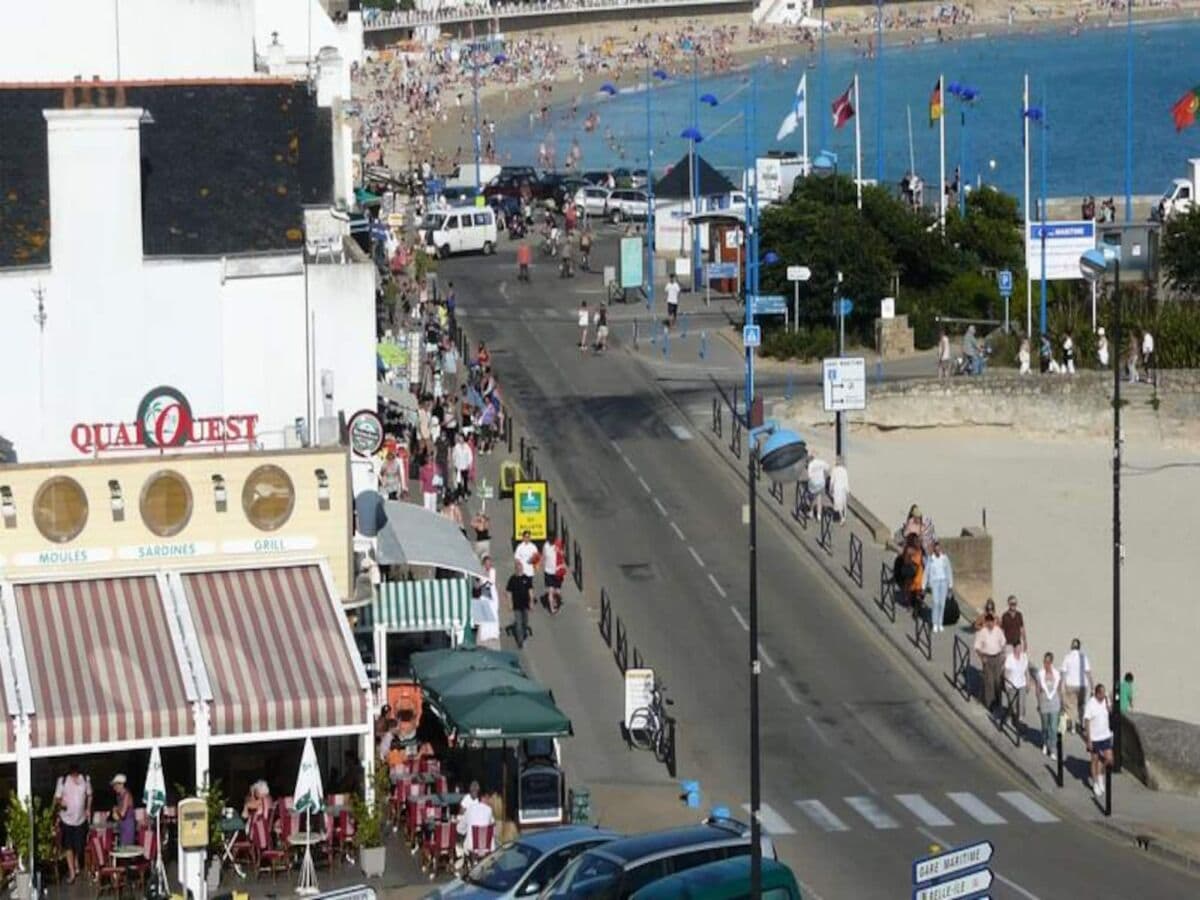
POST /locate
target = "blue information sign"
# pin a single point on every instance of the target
(1004, 280)
(721, 270)
(751, 336)
(847, 306)
(768, 304)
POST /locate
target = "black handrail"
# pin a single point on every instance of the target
(922, 636)
(1011, 714)
(621, 648)
(826, 537)
(855, 566)
(717, 416)
(735, 437)
(961, 666)
(605, 617)
(800, 505)
(577, 569)
(887, 592)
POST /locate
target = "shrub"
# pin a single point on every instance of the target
(806, 344)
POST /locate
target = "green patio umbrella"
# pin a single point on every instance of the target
(505, 713)
(432, 664)
(467, 682)
(366, 198)
(394, 355)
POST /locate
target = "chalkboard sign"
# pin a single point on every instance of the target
(539, 795)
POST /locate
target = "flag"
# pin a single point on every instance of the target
(797, 113)
(843, 109)
(935, 103)
(1185, 108)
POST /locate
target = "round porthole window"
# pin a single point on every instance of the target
(166, 503)
(60, 509)
(268, 497)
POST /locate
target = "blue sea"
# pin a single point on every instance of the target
(1079, 80)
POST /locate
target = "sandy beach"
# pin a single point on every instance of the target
(443, 137)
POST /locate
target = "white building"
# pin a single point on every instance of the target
(154, 235)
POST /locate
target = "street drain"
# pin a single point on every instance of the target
(638, 571)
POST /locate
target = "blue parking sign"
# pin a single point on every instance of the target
(1004, 280)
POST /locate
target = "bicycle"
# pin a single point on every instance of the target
(648, 729)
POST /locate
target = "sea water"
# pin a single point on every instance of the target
(1079, 80)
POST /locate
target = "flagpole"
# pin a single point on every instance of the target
(879, 92)
(1028, 275)
(804, 90)
(942, 149)
(857, 142)
(1128, 114)
(821, 65)
(912, 159)
(1045, 142)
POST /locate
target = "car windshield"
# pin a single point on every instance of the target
(589, 875)
(501, 870)
(433, 221)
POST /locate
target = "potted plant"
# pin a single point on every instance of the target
(18, 825)
(369, 820)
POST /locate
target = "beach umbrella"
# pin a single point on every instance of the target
(691, 134)
(710, 99)
(308, 798)
(608, 88)
(660, 74)
(431, 664)
(499, 59)
(154, 797)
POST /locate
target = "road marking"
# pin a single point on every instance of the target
(681, 433)
(924, 810)
(733, 609)
(616, 446)
(872, 812)
(645, 487)
(765, 657)
(976, 808)
(787, 689)
(822, 816)
(628, 463)
(658, 505)
(678, 533)
(1026, 806)
(860, 778)
(771, 821)
(937, 838)
(721, 591)
(696, 557)
(812, 723)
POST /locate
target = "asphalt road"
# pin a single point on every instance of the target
(862, 767)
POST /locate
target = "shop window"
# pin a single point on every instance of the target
(166, 503)
(268, 497)
(322, 489)
(60, 509)
(116, 499)
(220, 493)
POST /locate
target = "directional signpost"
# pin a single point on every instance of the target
(768, 304)
(954, 874)
(1004, 282)
(717, 270)
(797, 274)
(845, 383)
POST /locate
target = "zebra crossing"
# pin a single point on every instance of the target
(889, 812)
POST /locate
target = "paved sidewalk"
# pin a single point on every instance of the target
(1170, 822)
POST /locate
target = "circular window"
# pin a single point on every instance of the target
(166, 503)
(268, 497)
(60, 509)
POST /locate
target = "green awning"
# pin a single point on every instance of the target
(504, 714)
(430, 664)
(481, 681)
(433, 604)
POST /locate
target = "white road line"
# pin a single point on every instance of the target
(1026, 806)
(645, 487)
(771, 821)
(812, 723)
(681, 433)
(628, 464)
(787, 689)
(696, 557)
(976, 808)
(822, 816)
(765, 657)
(924, 810)
(678, 533)
(616, 446)
(658, 505)
(733, 609)
(940, 840)
(872, 812)
(860, 778)
(721, 591)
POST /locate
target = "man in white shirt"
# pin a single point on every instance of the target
(1016, 673)
(525, 556)
(672, 299)
(1098, 734)
(463, 457)
(818, 473)
(477, 815)
(1077, 681)
(553, 580)
(73, 796)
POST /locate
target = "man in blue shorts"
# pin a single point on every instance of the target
(1098, 734)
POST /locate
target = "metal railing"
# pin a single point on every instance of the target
(717, 416)
(825, 538)
(606, 617)
(960, 674)
(621, 647)
(800, 506)
(1009, 721)
(922, 636)
(854, 567)
(887, 592)
(735, 437)
(577, 567)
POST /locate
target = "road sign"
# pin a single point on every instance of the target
(530, 509)
(751, 336)
(1065, 243)
(960, 859)
(799, 273)
(847, 306)
(768, 304)
(1004, 280)
(845, 382)
(968, 885)
(721, 270)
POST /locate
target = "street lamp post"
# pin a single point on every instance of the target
(827, 162)
(1094, 264)
(651, 73)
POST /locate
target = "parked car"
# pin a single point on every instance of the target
(557, 188)
(625, 203)
(465, 229)
(592, 200)
(618, 869)
(509, 186)
(525, 866)
(529, 173)
(728, 879)
(596, 176)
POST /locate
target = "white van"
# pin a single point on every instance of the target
(464, 176)
(464, 229)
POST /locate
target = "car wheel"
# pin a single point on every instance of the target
(488, 249)
(444, 251)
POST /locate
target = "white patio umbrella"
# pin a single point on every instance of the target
(309, 798)
(154, 796)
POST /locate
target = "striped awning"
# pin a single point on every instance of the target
(102, 664)
(275, 652)
(434, 604)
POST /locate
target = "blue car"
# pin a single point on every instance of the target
(525, 866)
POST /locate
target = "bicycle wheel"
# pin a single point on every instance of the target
(662, 743)
(643, 729)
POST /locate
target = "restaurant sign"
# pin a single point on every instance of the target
(163, 420)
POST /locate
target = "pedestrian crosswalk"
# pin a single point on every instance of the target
(884, 812)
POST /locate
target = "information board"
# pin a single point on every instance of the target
(639, 685)
(1065, 243)
(845, 383)
(631, 262)
(530, 511)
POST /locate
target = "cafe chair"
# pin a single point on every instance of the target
(108, 878)
(325, 852)
(266, 857)
(140, 868)
(345, 835)
(482, 841)
(439, 848)
(414, 818)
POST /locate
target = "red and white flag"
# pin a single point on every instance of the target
(843, 109)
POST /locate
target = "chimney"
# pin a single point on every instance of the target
(94, 156)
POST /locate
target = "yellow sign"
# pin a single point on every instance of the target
(193, 824)
(530, 510)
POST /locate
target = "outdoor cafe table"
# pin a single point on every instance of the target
(230, 827)
(305, 838)
(126, 854)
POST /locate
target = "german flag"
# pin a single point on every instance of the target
(935, 103)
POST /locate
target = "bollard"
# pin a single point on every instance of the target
(704, 345)
(635, 334)
(1060, 759)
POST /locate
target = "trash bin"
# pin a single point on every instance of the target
(510, 474)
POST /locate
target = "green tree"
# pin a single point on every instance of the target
(990, 234)
(1181, 251)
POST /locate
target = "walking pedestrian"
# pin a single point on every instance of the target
(393, 480)
(1068, 346)
(1102, 347)
(601, 322)
(73, 798)
(1012, 623)
(551, 560)
(914, 562)
(1098, 735)
(989, 647)
(839, 488)
(672, 299)
(584, 319)
(943, 355)
(939, 581)
(526, 556)
(1023, 357)
(1077, 681)
(1125, 693)
(1016, 675)
(463, 458)
(1148, 361)
(818, 472)
(520, 596)
(1049, 693)
(429, 482)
